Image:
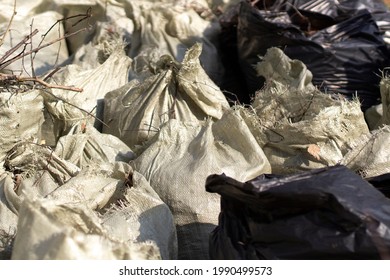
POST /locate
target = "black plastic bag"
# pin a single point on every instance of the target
(343, 46)
(381, 183)
(329, 213)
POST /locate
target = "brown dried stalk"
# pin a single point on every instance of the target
(13, 79)
(35, 50)
(9, 24)
(71, 104)
(82, 17)
(13, 55)
(23, 42)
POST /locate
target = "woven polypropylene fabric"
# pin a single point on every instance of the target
(178, 162)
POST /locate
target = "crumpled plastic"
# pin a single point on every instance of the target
(342, 46)
(329, 213)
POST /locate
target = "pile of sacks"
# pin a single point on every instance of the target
(118, 171)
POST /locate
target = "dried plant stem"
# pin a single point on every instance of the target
(18, 45)
(81, 109)
(9, 24)
(4, 78)
(24, 53)
(83, 17)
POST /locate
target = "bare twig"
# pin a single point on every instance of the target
(51, 73)
(22, 82)
(12, 79)
(81, 109)
(85, 16)
(13, 49)
(9, 25)
(6, 59)
(23, 54)
(42, 82)
(31, 57)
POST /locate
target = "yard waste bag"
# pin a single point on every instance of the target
(385, 98)
(379, 115)
(381, 182)
(8, 217)
(85, 145)
(67, 108)
(327, 213)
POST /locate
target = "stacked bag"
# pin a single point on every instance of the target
(153, 159)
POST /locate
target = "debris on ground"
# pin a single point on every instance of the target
(222, 129)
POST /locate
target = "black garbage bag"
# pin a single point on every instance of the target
(340, 44)
(381, 183)
(329, 213)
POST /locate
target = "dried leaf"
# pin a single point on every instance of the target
(314, 150)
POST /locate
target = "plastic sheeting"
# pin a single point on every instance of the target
(381, 182)
(329, 213)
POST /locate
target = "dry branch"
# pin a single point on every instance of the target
(9, 24)
(19, 51)
(14, 79)
(81, 109)
(12, 50)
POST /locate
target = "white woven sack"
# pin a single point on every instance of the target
(379, 115)
(142, 216)
(95, 83)
(183, 91)
(385, 97)
(51, 231)
(370, 154)
(180, 158)
(21, 117)
(174, 27)
(132, 210)
(85, 145)
(298, 126)
(129, 210)
(8, 216)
